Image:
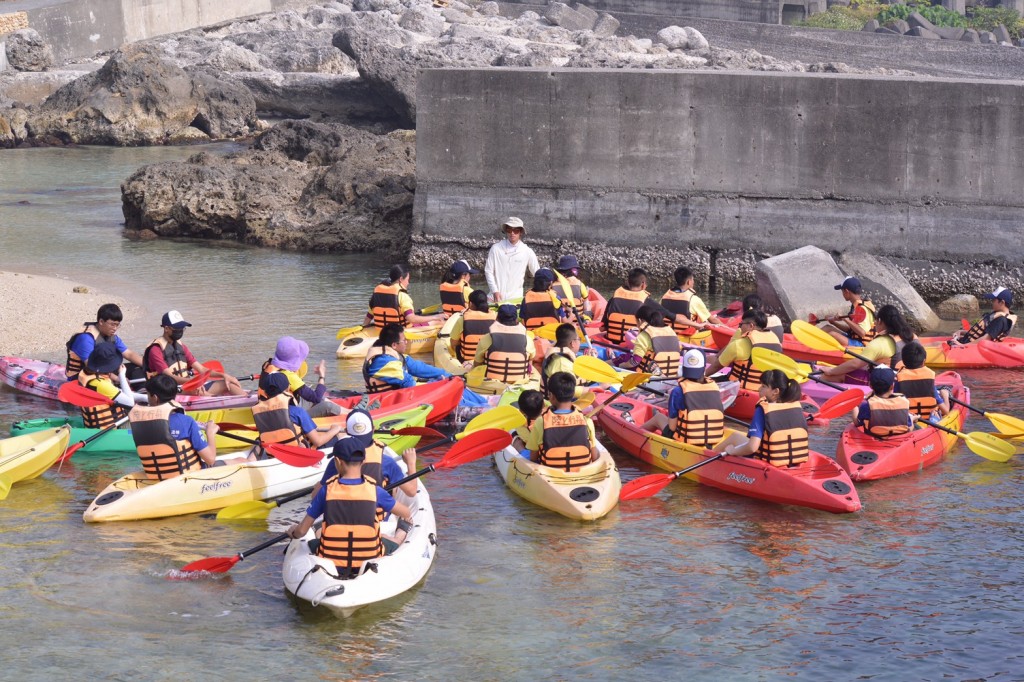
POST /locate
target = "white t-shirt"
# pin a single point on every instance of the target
(506, 268)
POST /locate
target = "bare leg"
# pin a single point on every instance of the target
(656, 424)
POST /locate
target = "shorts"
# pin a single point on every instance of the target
(856, 343)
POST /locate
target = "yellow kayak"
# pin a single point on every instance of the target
(358, 343)
(28, 456)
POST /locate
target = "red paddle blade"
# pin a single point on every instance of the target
(965, 324)
(70, 451)
(294, 455)
(213, 366)
(80, 396)
(476, 445)
(645, 486)
(812, 318)
(197, 382)
(423, 431)
(841, 404)
(232, 426)
(214, 564)
(1000, 354)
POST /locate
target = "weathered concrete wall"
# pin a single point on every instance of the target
(899, 167)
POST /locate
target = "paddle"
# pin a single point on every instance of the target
(345, 331)
(765, 359)
(82, 443)
(196, 382)
(474, 447)
(504, 417)
(983, 444)
(293, 455)
(1000, 354)
(814, 319)
(593, 369)
(1006, 424)
(74, 393)
(818, 339)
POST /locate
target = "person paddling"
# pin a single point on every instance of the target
(917, 383)
(696, 415)
(104, 329)
(167, 355)
(101, 370)
(390, 302)
(884, 413)
(388, 368)
(995, 325)
(455, 288)
(891, 331)
(753, 333)
(578, 295)
(855, 328)
(778, 431)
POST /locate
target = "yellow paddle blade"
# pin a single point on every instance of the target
(631, 381)
(585, 400)
(815, 338)
(547, 331)
(476, 375)
(504, 417)
(345, 331)
(594, 369)
(303, 368)
(988, 446)
(431, 309)
(1005, 423)
(766, 359)
(253, 509)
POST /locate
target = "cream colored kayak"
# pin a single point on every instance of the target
(28, 456)
(135, 496)
(357, 344)
(583, 495)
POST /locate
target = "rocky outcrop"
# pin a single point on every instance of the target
(26, 51)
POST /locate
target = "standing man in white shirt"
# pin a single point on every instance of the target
(507, 262)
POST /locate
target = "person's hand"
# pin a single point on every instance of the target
(497, 296)
(212, 429)
(321, 369)
(409, 457)
(468, 364)
(292, 532)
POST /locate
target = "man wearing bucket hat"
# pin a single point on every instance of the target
(289, 356)
(508, 261)
(101, 370)
(695, 412)
(995, 325)
(166, 355)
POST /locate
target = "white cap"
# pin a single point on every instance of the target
(692, 365)
(359, 423)
(512, 221)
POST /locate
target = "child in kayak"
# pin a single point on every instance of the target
(856, 327)
(563, 437)
(995, 325)
(573, 293)
(531, 404)
(101, 370)
(778, 431)
(696, 414)
(391, 303)
(884, 413)
(455, 288)
(917, 383)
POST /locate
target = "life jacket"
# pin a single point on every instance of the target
(384, 305)
(274, 423)
(664, 351)
(74, 364)
(162, 456)
(351, 531)
(620, 313)
(744, 371)
(869, 320)
(977, 330)
(566, 440)
(785, 434)
(701, 421)
(549, 359)
(373, 384)
(775, 327)
(575, 298)
(678, 303)
(453, 298)
(372, 467)
(507, 359)
(174, 356)
(918, 385)
(99, 416)
(474, 325)
(538, 309)
(295, 382)
(888, 415)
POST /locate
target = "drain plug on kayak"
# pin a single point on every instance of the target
(108, 498)
(836, 487)
(864, 457)
(584, 494)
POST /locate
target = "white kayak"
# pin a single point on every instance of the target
(314, 579)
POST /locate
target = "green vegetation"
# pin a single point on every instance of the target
(938, 15)
(850, 18)
(859, 12)
(988, 18)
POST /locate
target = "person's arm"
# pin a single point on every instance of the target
(700, 311)
(594, 454)
(491, 273)
(317, 437)
(531, 347)
(128, 354)
(409, 457)
(844, 368)
(942, 401)
(863, 414)
(754, 435)
(313, 512)
(301, 528)
(422, 370)
(405, 307)
(127, 397)
(996, 327)
(209, 452)
(82, 345)
(534, 441)
(481, 350)
(533, 265)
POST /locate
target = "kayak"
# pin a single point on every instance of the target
(746, 400)
(134, 496)
(868, 458)
(485, 386)
(584, 495)
(27, 456)
(314, 579)
(358, 343)
(818, 483)
(44, 379)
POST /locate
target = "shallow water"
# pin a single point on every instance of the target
(923, 584)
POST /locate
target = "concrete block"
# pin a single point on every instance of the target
(871, 26)
(958, 6)
(883, 284)
(915, 19)
(950, 33)
(606, 26)
(959, 307)
(988, 38)
(888, 31)
(899, 26)
(587, 13)
(970, 36)
(919, 32)
(815, 6)
(560, 14)
(798, 283)
(1002, 35)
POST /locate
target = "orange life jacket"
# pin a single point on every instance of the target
(74, 364)
(507, 359)
(664, 351)
(475, 325)
(785, 434)
(888, 415)
(100, 416)
(538, 309)
(174, 356)
(744, 371)
(162, 456)
(566, 440)
(677, 302)
(918, 385)
(977, 330)
(545, 368)
(384, 305)
(351, 532)
(373, 384)
(620, 313)
(274, 423)
(453, 298)
(575, 299)
(701, 421)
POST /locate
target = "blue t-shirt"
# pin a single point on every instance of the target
(756, 429)
(184, 427)
(301, 418)
(676, 402)
(84, 343)
(316, 507)
(996, 326)
(389, 470)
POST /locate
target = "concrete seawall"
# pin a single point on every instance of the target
(716, 160)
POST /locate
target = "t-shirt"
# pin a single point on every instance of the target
(157, 363)
(698, 310)
(184, 427)
(389, 469)
(301, 418)
(536, 438)
(878, 349)
(316, 507)
(105, 387)
(997, 326)
(756, 429)
(737, 350)
(84, 343)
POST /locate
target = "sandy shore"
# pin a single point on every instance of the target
(38, 314)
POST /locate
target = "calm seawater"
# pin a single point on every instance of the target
(923, 584)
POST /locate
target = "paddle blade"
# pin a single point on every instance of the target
(5, 487)
(195, 382)
(989, 446)
(1000, 354)
(423, 431)
(766, 359)
(547, 331)
(475, 446)
(476, 375)
(293, 455)
(254, 509)
(645, 486)
(505, 418)
(812, 337)
(74, 393)
(585, 400)
(1006, 423)
(841, 404)
(214, 366)
(965, 324)
(597, 370)
(345, 331)
(631, 381)
(214, 564)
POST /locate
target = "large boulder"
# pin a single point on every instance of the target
(26, 51)
(885, 284)
(308, 50)
(959, 307)
(797, 283)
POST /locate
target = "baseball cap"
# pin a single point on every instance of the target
(461, 267)
(105, 358)
(692, 364)
(851, 284)
(172, 318)
(290, 353)
(545, 274)
(567, 262)
(350, 450)
(882, 375)
(359, 425)
(1001, 293)
(507, 313)
(273, 384)
(512, 221)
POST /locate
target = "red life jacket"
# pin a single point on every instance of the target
(701, 421)
(566, 440)
(162, 456)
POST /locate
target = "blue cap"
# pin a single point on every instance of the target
(105, 358)
(544, 273)
(350, 450)
(567, 262)
(273, 384)
(851, 284)
(882, 375)
(507, 311)
(461, 267)
(1001, 293)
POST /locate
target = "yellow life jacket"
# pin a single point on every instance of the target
(351, 531)
(888, 415)
(99, 416)
(385, 307)
(174, 356)
(453, 297)
(538, 309)
(274, 423)
(373, 384)
(566, 440)
(620, 313)
(162, 456)
(507, 359)
(664, 351)
(677, 302)
(785, 434)
(744, 371)
(701, 421)
(918, 385)
(475, 324)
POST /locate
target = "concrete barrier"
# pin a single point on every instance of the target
(764, 161)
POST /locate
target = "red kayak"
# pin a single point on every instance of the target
(443, 394)
(818, 483)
